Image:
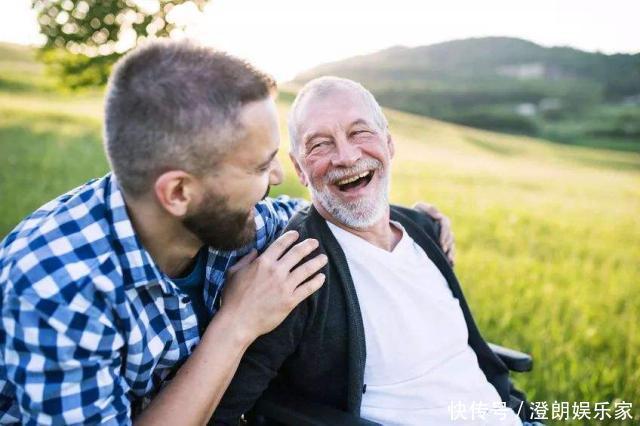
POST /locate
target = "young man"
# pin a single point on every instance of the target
(109, 291)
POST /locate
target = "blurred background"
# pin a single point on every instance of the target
(519, 120)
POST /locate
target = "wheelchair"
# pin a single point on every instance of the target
(291, 410)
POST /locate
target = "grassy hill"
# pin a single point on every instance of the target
(548, 235)
(508, 84)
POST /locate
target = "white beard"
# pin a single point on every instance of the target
(357, 214)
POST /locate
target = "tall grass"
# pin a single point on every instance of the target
(548, 236)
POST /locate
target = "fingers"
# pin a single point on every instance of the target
(446, 236)
(279, 246)
(445, 223)
(244, 261)
(307, 289)
(445, 239)
(447, 242)
(297, 253)
(428, 209)
(451, 255)
(307, 269)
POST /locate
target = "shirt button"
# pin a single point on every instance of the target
(185, 299)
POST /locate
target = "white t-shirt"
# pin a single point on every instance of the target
(419, 368)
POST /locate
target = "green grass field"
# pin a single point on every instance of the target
(548, 236)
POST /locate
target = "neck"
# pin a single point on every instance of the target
(170, 245)
(381, 234)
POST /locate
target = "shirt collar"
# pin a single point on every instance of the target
(138, 268)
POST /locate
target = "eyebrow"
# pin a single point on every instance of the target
(360, 121)
(270, 159)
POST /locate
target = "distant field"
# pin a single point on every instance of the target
(508, 85)
(548, 235)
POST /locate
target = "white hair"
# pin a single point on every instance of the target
(323, 86)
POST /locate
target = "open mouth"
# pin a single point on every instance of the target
(355, 182)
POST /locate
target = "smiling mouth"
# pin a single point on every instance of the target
(355, 182)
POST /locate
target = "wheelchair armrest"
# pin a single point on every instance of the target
(514, 360)
(293, 410)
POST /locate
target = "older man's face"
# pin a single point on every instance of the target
(344, 157)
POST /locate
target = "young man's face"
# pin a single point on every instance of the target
(224, 218)
(344, 157)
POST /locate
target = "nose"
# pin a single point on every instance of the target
(346, 154)
(276, 175)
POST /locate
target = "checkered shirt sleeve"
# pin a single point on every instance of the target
(90, 328)
(58, 344)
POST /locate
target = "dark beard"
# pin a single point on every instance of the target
(219, 227)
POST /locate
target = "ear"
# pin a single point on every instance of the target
(301, 176)
(391, 145)
(175, 191)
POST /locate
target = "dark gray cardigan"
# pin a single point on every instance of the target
(318, 352)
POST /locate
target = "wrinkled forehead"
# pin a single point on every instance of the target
(332, 109)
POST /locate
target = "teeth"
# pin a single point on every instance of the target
(351, 179)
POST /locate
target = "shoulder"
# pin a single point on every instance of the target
(64, 242)
(281, 207)
(272, 216)
(305, 221)
(412, 216)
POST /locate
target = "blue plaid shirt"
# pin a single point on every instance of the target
(91, 328)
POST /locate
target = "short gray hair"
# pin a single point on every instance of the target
(175, 105)
(323, 86)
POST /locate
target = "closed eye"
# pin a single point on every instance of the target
(318, 144)
(267, 164)
(265, 167)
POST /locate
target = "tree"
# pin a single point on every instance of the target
(85, 37)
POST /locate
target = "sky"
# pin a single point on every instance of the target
(285, 37)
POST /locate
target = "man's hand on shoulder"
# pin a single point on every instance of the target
(446, 239)
(263, 290)
(259, 294)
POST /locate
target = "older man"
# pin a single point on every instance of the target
(390, 336)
